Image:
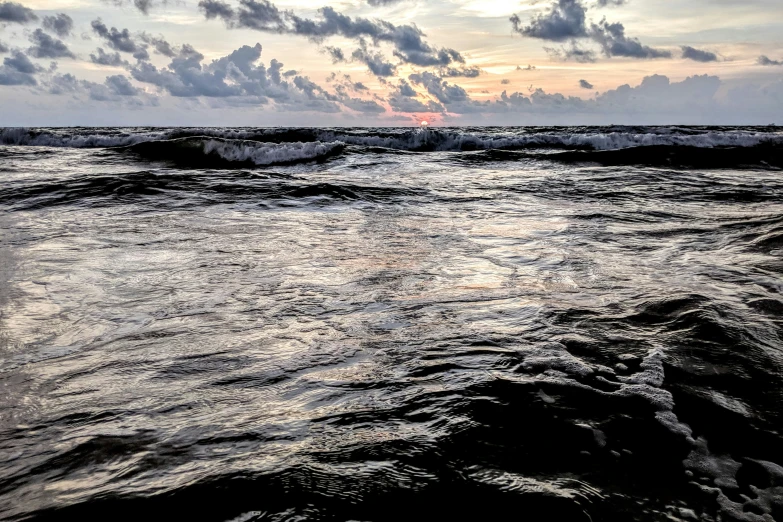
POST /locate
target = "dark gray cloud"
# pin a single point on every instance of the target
(159, 43)
(216, 9)
(698, 55)
(60, 24)
(44, 46)
(564, 20)
(110, 59)
(444, 92)
(528, 68)
(764, 60)
(121, 85)
(457, 72)
(335, 53)
(60, 84)
(584, 84)
(406, 90)
(238, 79)
(376, 62)
(17, 69)
(262, 15)
(3, 48)
(572, 52)
(142, 5)
(16, 13)
(505, 81)
(120, 40)
(614, 42)
(611, 3)
(116, 90)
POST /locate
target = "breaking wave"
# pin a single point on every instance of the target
(445, 139)
(217, 152)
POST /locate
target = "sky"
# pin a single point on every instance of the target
(390, 62)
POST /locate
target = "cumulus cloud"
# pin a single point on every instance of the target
(121, 85)
(238, 78)
(584, 84)
(375, 62)
(505, 81)
(614, 42)
(120, 40)
(60, 24)
(764, 60)
(564, 20)
(262, 15)
(13, 12)
(110, 59)
(17, 69)
(3, 48)
(44, 46)
(160, 44)
(698, 55)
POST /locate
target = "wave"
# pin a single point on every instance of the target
(202, 151)
(444, 139)
(172, 188)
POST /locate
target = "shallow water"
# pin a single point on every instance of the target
(469, 324)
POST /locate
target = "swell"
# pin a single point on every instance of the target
(212, 152)
(443, 139)
(172, 189)
(763, 155)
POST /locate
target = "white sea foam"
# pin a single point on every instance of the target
(269, 153)
(417, 139)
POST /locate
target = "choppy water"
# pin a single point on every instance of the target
(373, 324)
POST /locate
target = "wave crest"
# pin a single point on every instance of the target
(442, 139)
(202, 151)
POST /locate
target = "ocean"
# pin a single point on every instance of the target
(373, 324)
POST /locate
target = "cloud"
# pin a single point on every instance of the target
(116, 90)
(110, 59)
(142, 5)
(159, 43)
(262, 15)
(611, 3)
(528, 68)
(505, 81)
(464, 72)
(584, 84)
(44, 46)
(445, 93)
(764, 60)
(120, 40)
(17, 69)
(61, 24)
(573, 52)
(698, 55)
(564, 20)
(238, 79)
(121, 86)
(16, 13)
(335, 53)
(614, 42)
(3, 48)
(216, 9)
(375, 62)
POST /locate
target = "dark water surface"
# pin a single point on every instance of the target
(374, 324)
